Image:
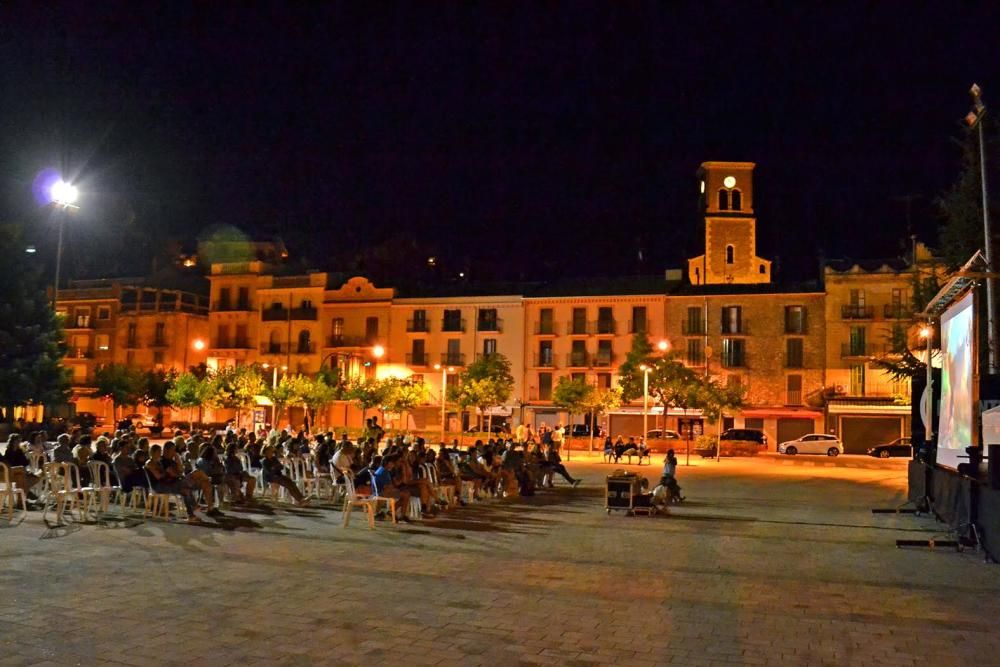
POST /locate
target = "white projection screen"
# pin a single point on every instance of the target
(956, 429)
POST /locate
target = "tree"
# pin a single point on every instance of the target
(121, 384)
(189, 391)
(630, 373)
(290, 389)
(599, 402)
(367, 393)
(716, 399)
(485, 383)
(320, 394)
(158, 384)
(573, 396)
(31, 337)
(404, 394)
(235, 388)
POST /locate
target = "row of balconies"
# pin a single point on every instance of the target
(738, 328)
(890, 311)
(284, 314)
(454, 325)
(576, 360)
(288, 348)
(446, 359)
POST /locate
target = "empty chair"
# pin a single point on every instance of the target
(100, 482)
(9, 493)
(352, 500)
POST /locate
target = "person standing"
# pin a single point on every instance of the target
(557, 437)
(521, 433)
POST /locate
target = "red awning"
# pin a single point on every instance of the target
(782, 413)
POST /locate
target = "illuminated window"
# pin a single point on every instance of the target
(730, 254)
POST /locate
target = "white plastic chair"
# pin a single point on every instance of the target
(445, 493)
(468, 488)
(298, 472)
(100, 482)
(135, 498)
(257, 473)
(9, 493)
(64, 489)
(158, 503)
(352, 500)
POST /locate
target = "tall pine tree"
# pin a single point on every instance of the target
(31, 339)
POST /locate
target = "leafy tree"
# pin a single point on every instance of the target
(716, 399)
(158, 384)
(121, 384)
(290, 390)
(189, 391)
(320, 394)
(485, 383)
(630, 373)
(235, 388)
(600, 402)
(31, 338)
(367, 393)
(405, 394)
(573, 396)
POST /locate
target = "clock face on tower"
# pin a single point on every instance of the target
(729, 181)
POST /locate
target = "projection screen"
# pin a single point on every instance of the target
(957, 422)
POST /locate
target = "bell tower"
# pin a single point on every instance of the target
(730, 228)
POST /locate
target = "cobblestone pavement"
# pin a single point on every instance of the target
(765, 563)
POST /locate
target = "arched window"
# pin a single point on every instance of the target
(763, 270)
(730, 254)
(304, 341)
(736, 197)
(723, 200)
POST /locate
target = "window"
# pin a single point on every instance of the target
(730, 254)
(158, 357)
(79, 373)
(604, 356)
(762, 269)
(578, 354)
(487, 320)
(545, 321)
(736, 198)
(337, 328)
(419, 321)
(857, 380)
(371, 330)
(159, 337)
(130, 340)
(897, 296)
(102, 342)
(417, 378)
(224, 303)
(733, 352)
(306, 303)
(221, 338)
(454, 355)
(545, 386)
(695, 353)
(723, 200)
(82, 318)
(579, 324)
(104, 312)
(130, 358)
(243, 300)
(273, 344)
(858, 343)
(857, 297)
(694, 324)
(605, 321)
(489, 347)
(793, 353)
(451, 380)
(418, 353)
(578, 377)
(604, 381)
(305, 344)
(795, 319)
(754, 422)
(452, 321)
(639, 319)
(732, 320)
(545, 353)
(793, 394)
(242, 339)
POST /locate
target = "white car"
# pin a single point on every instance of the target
(813, 443)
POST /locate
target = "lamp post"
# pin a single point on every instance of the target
(64, 196)
(663, 346)
(645, 398)
(975, 120)
(927, 333)
(444, 381)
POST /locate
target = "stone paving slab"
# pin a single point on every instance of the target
(765, 564)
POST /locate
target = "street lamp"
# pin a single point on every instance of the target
(444, 381)
(378, 351)
(64, 196)
(927, 333)
(663, 345)
(198, 346)
(974, 119)
(645, 398)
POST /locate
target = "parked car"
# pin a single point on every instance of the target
(577, 431)
(662, 434)
(898, 447)
(813, 443)
(747, 434)
(87, 420)
(142, 421)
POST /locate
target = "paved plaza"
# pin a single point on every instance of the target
(770, 561)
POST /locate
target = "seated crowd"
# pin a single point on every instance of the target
(201, 468)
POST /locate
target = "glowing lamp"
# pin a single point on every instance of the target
(378, 351)
(64, 193)
(198, 344)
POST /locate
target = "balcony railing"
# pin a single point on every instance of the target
(80, 323)
(602, 360)
(452, 358)
(286, 348)
(695, 360)
(417, 359)
(228, 306)
(545, 360)
(453, 326)
(794, 362)
(274, 314)
(536, 395)
(577, 360)
(730, 328)
(80, 353)
(897, 311)
(493, 324)
(734, 361)
(862, 349)
(346, 341)
(417, 326)
(485, 355)
(158, 343)
(857, 312)
(604, 327)
(693, 327)
(793, 397)
(796, 328)
(239, 344)
(640, 326)
(304, 313)
(543, 328)
(577, 328)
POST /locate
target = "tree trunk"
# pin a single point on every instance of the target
(593, 420)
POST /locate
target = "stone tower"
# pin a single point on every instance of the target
(730, 228)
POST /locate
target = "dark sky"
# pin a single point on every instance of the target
(522, 139)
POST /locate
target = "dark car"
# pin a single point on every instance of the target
(898, 447)
(86, 420)
(577, 431)
(746, 434)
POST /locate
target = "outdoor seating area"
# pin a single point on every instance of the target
(400, 479)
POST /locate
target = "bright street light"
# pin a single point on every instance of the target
(663, 346)
(198, 344)
(64, 196)
(378, 351)
(63, 193)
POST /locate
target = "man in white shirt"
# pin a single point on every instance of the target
(521, 433)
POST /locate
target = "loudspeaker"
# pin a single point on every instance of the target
(993, 465)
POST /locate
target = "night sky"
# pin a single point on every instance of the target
(512, 140)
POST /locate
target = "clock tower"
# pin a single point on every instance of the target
(730, 228)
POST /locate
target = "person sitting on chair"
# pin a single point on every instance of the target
(166, 476)
(274, 473)
(619, 448)
(237, 477)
